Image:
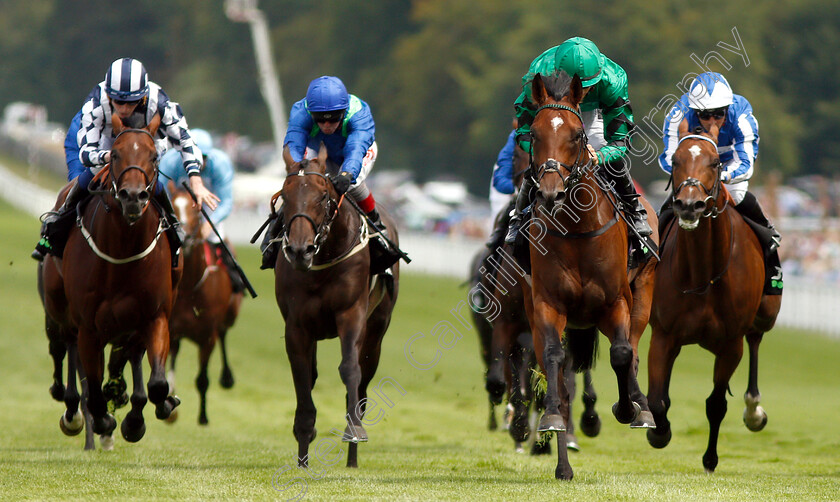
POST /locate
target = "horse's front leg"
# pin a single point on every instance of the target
(663, 351)
(755, 418)
(92, 359)
(300, 349)
(726, 361)
(350, 325)
(157, 348)
(548, 324)
(72, 420)
(616, 325)
(133, 426)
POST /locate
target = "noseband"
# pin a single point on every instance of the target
(330, 212)
(150, 183)
(711, 195)
(576, 170)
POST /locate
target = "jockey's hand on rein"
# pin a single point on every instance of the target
(342, 182)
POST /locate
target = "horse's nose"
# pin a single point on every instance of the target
(688, 206)
(300, 255)
(553, 198)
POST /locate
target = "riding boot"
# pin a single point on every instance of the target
(270, 249)
(52, 241)
(236, 281)
(750, 208)
(382, 255)
(497, 238)
(173, 231)
(633, 207)
(522, 201)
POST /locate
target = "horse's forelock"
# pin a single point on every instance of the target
(557, 85)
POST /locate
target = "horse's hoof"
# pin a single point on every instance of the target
(623, 417)
(74, 426)
(226, 380)
(710, 461)
(57, 392)
(164, 409)
(202, 420)
(571, 442)
(133, 430)
(517, 447)
(542, 445)
(105, 425)
(106, 442)
(756, 420)
(551, 423)
(590, 424)
(173, 417)
(355, 434)
(658, 440)
(643, 421)
(564, 472)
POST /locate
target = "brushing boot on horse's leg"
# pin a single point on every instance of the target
(270, 249)
(57, 224)
(632, 206)
(750, 208)
(174, 231)
(522, 201)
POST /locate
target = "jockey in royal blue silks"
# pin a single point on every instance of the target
(127, 92)
(710, 101)
(344, 124)
(501, 189)
(217, 175)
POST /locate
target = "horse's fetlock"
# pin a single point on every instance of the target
(158, 391)
(621, 355)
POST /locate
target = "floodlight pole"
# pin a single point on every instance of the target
(246, 11)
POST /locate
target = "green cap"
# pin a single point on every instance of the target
(579, 56)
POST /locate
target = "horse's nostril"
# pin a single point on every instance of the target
(310, 249)
(679, 204)
(144, 196)
(699, 205)
(122, 194)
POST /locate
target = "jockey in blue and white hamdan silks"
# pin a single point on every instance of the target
(708, 102)
(711, 94)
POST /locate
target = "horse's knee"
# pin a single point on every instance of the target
(621, 355)
(202, 382)
(716, 407)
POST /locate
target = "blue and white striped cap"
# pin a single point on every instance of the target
(127, 80)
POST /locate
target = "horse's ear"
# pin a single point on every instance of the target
(575, 90)
(538, 92)
(287, 157)
(171, 186)
(714, 131)
(117, 124)
(682, 129)
(322, 155)
(154, 124)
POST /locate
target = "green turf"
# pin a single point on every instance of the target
(432, 444)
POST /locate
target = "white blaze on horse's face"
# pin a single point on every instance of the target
(181, 208)
(556, 122)
(694, 151)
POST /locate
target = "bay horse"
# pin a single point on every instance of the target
(580, 281)
(324, 290)
(709, 291)
(117, 284)
(206, 306)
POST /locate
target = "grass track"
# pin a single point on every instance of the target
(431, 445)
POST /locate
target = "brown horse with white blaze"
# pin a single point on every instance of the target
(324, 290)
(118, 284)
(579, 264)
(709, 291)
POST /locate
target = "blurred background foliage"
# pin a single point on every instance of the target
(440, 75)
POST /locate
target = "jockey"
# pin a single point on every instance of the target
(217, 173)
(606, 114)
(501, 189)
(709, 102)
(343, 122)
(127, 92)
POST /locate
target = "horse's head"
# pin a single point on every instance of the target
(133, 171)
(309, 207)
(558, 141)
(696, 177)
(187, 214)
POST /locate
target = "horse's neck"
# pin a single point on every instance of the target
(705, 250)
(195, 263)
(586, 209)
(113, 234)
(343, 231)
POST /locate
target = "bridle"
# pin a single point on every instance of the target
(576, 169)
(330, 212)
(711, 195)
(115, 180)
